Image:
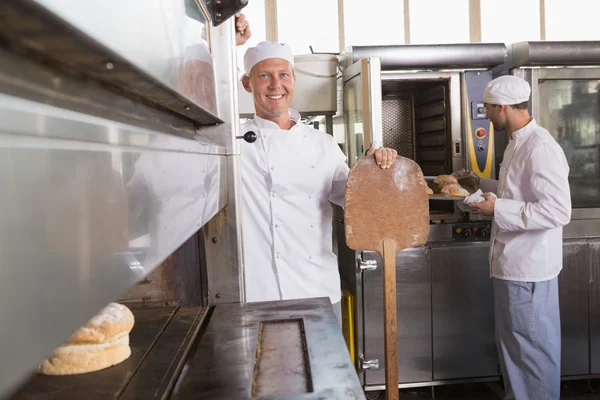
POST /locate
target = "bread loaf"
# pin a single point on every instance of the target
(454, 190)
(442, 180)
(101, 343)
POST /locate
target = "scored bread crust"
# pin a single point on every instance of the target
(113, 320)
(82, 358)
(442, 180)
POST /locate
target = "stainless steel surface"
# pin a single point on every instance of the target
(353, 117)
(35, 120)
(445, 198)
(223, 364)
(82, 198)
(463, 312)
(552, 54)
(434, 383)
(159, 341)
(59, 45)
(594, 292)
(398, 126)
(223, 234)
(366, 265)
(568, 108)
(362, 107)
(374, 100)
(440, 233)
(226, 77)
(165, 42)
(177, 280)
(444, 56)
(281, 346)
(591, 213)
(369, 364)
(568, 114)
(458, 159)
(25, 78)
(413, 282)
(351, 280)
(223, 244)
(573, 284)
(582, 228)
(568, 73)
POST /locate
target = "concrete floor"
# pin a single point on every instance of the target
(571, 390)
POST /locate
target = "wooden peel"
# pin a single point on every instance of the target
(387, 210)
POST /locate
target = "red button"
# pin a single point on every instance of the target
(480, 133)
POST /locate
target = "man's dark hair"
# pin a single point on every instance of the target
(520, 106)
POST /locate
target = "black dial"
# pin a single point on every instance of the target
(249, 137)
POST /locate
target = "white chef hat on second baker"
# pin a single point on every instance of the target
(507, 90)
(266, 50)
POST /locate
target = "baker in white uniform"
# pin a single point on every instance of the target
(289, 177)
(533, 204)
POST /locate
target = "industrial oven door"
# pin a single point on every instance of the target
(362, 107)
(566, 101)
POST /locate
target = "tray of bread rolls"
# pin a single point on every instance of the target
(446, 187)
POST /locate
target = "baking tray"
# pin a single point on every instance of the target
(159, 342)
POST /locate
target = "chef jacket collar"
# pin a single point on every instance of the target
(266, 124)
(519, 133)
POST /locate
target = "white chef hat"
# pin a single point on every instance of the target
(266, 50)
(507, 90)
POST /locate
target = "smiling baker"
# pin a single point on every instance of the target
(289, 177)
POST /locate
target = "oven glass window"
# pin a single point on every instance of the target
(570, 110)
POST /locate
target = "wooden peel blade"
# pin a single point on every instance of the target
(387, 210)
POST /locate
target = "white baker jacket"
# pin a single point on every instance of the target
(533, 205)
(289, 179)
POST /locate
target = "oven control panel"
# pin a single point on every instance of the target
(471, 231)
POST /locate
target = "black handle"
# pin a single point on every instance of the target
(249, 137)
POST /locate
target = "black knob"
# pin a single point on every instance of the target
(483, 232)
(467, 233)
(249, 137)
(481, 147)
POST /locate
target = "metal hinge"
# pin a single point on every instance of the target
(366, 265)
(368, 364)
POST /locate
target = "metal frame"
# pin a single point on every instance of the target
(369, 71)
(433, 383)
(223, 234)
(429, 57)
(77, 107)
(533, 75)
(456, 107)
(86, 57)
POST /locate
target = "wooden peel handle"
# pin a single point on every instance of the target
(391, 323)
